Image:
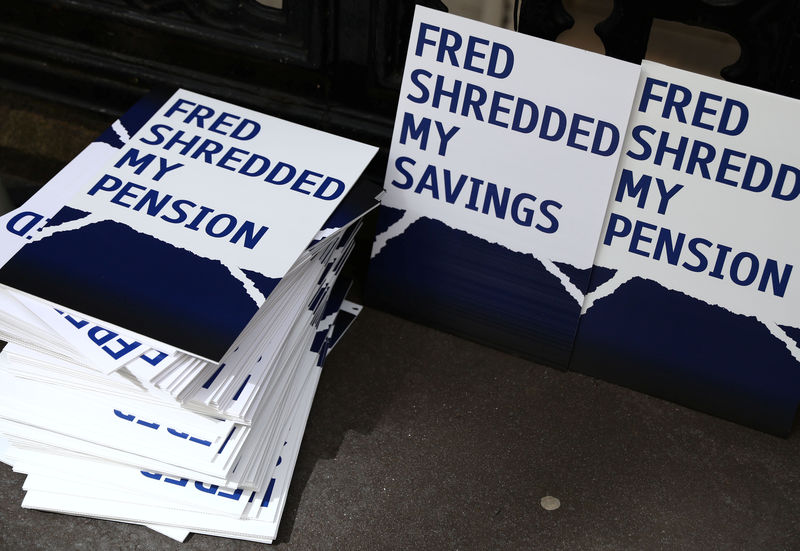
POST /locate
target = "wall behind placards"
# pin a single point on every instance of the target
(695, 49)
(495, 12)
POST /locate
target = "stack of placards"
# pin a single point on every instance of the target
(525, 210)
(502, 161)
(168, 299)
(694, 294)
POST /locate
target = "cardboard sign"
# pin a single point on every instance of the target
(696, 294)
(180, 225)
(502, 161)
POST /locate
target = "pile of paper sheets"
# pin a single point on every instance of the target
(162, 363)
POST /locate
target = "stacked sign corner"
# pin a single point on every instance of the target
(169, 298)
(693, 296)
(502, 160)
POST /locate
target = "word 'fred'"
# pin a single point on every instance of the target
(219, 123)
(470, 54)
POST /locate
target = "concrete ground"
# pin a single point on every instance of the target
(422, 440)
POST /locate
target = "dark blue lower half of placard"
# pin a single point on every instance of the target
(109, 271)
(451, 280)
(671, 345)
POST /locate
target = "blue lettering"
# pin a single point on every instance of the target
(268, 493)
(30, 220)
(95, 333)
(124, 416)
(208, 149)
(173, 432)
(125, 348)
(672, 102)
(666, 194)
(648, 94)
(147, 424)
(473, 196)
(234, 496)
(158, 137)
(260, 169)
(229, 156)
(766, 174)
(492, 200)
(613, 142)
(229, 222)
(561, 124)
(636, 133)
(327, 183)
(131, 157)
(159, 356)
(664, 148)
(178, 107)
(79, 324)
(472, 53)
(553, 227)
(696, 159)
(626, 186)
(445, 136)
(273, 176)
(418, 132)
(524, 105)
(780, 181)
(422, 40)
(449, 48)
(177, 206)
(528, 212)
(178, 482)
(249, 233)
(399, 164)
(106, 183)
(727, 110)
(725, 165)
(664, 243)
(439, 91)
(576, 130)
(494, 61)
(195, 224)
(424, 94)
(471, 102)
(751, 275)
(125, 192)
(199, 114)
(497, 108)
(240, 132)
(703, 109)
(637, 236)
(612, 231)
(770, 274)
(150, 200)
(222, 122)
(428, 176)
(450, 193)
(702, 261)
(187, 144)
(212, 488)
(304, 179)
